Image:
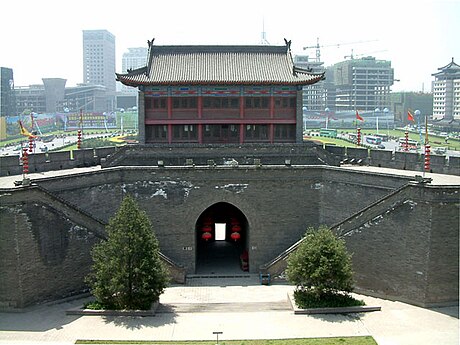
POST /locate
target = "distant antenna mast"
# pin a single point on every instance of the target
(264, 34)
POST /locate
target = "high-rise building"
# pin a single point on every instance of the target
(54, 93)
(362, 84)
(313, 96)
(99, 59)
(132, 59)
(7, 96)
(446, 92)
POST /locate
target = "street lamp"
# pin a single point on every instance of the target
(376, 111)
(385, 112)
(418, 114)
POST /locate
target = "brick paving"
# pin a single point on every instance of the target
(241, 308)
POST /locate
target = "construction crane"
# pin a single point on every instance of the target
(352, 56)
(318, 46)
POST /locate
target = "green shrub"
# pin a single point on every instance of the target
(321, 266)
(306, 299)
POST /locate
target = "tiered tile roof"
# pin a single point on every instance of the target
(450, 69)
(219, 65)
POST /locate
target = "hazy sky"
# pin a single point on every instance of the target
(43, 38)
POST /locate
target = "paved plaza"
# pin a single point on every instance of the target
(241, 308)
(437, 179)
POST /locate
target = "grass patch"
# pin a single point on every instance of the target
(367, 340)
(308, 299)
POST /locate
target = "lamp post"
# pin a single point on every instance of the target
(418, 114)
(327, 116)
(376, 111)
(385, 112)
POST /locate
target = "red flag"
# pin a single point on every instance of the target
(410, 117)
(358, 117)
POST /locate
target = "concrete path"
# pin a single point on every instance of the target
(437, 179)
(241, 308)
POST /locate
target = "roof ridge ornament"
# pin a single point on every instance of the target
(150, 43)
(288, 44)
(149, 56)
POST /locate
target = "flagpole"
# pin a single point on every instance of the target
(426, 129)
(427, 147)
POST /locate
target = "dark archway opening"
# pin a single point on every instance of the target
(222, 237)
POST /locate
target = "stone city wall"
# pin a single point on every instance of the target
(396, 160)
(45, 247)
(50, 161)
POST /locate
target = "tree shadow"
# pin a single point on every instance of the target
(338, 318)
(40, 318)
(164, 315)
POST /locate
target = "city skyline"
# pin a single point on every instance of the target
(417, 37)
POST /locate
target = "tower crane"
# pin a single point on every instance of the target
(318, 46)
(352, 56)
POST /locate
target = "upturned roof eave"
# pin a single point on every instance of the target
(137, 83)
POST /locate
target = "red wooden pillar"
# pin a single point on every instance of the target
(200, 116)
(272, 107)
(200, 134)
(271, 133)
(169, 133)
(200, 107)
(169, 106)
(242, 100)
(241, 107)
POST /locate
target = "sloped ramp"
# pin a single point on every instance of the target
(387, 204)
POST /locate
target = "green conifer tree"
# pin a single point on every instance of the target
(128, 272)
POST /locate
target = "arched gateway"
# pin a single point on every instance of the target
(222, 241)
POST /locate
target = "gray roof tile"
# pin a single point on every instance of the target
(247, 65)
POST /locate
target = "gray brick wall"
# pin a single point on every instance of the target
(409, 253)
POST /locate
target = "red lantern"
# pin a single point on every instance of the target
(427, 157)
(236, 228)
(235, 236)
(207, 228)
(234, 221)
(79, 139)
(25, 161)
(406, 141)
(206, 236)
(31, 143)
